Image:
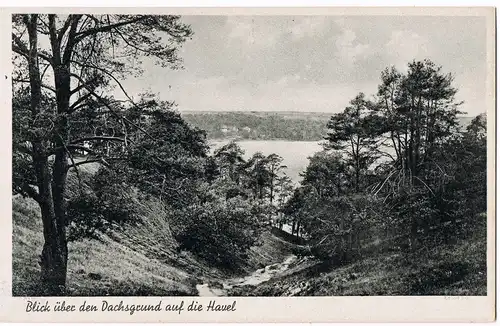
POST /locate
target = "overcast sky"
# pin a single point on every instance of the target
(313, 63)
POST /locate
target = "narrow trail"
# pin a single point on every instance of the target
(257, 277)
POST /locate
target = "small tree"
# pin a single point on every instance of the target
(352, 132)
(258, 176)
(274, 166)
(327, 173)
(284, 188)
(230, 160)
(219, 231)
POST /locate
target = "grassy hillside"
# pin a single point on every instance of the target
(458, 269)
(140, 260)
(117, 265)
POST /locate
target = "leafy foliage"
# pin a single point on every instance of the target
(106, 200)
(219, 231)
(62, 65)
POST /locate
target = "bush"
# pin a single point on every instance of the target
(105, 201)
(339, 227)
(218, 231)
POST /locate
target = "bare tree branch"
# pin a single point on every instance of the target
(80, 36)
(110, 75)
(63, 30)
(20, 48)
(27, 81)
(70, 146)
(71, 38)
(75, 106)
(96, 160)
(100, 99)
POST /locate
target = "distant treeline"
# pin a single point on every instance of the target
(264, 126)
(298, 126)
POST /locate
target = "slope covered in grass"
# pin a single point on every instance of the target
(133, 260)
(115, 264)
(458, 269)
(270, 249)
(137, 258)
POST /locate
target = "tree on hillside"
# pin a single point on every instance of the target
(327, 174)
(168, 161)
(461, 191)
(353, 133)
(419, 111)
(258, 176)
(65, 64)
(284, 189)
(274, 165)
(298, 208)
(220, 231)
(230, 159)
(420, 115)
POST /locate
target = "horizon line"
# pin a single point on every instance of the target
(467, 114)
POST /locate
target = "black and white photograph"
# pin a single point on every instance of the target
(330, 155)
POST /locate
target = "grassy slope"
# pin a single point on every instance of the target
(133, 260)
(95, 267)
(446, 270)
(117, 264)
(269, 250)
(136, 260)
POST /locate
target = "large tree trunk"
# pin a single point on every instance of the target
(55, 251)
(50, 186)
(54, 258)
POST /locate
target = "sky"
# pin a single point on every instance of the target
(313, 63)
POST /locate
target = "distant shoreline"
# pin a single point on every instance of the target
(283, 112)
(220, 140)
(266, 126)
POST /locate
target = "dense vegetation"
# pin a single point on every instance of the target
(396, 173)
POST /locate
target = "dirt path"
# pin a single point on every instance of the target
(257, 277)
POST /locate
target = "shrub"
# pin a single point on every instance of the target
(339, 227)
(218, 231)
(105, 201)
